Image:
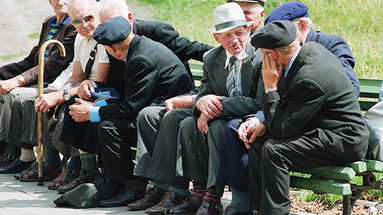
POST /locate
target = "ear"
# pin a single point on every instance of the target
(216, 37)
(303, 25)
(263, 13)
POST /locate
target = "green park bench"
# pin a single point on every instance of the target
(337, 179)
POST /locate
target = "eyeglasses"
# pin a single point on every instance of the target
(85, 19)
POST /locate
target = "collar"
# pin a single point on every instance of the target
(53, 21)
(240, 56)
(292, 61)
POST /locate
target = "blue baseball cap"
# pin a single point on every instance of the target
(288, 11)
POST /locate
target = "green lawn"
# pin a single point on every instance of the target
(358, 22)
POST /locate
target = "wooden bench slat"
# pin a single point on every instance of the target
(358, 166)
(318, 185)
(374, 165)
(342, 173)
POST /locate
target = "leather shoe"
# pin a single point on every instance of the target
(49, 173)
(16, 166)
(152, 197)
(208, 208)
(18, 175)
(107, 188)
(124, 197)
(187, 207)
(84, 177)
(169, 200)
(231, 210)
(6, 159)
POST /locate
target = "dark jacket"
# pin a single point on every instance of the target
(152, 74)
(336, 45)
(168, 36)
(318, 96)
(54, 64)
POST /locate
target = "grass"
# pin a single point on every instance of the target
(35, 35)
(358, 22)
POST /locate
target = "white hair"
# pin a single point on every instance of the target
(107, 6)
(306, 19)
(288, 49)
(93, 4)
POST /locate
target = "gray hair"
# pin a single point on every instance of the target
(107, 6)
(306, 19)
(289, 48)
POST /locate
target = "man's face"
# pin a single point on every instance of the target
(84, 18)
(59, 6)
(234, 40)
(116, 53)
(252, 13)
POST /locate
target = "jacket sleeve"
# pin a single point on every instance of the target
(138, 90)
(204, 89)
(55, 63)
(286, 117)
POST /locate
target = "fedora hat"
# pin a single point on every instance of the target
(261, 2)
(227, 17)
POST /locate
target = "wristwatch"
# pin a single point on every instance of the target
(66, 95)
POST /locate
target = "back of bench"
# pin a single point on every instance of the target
(369, 88)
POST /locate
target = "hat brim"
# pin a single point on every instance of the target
(262, 3)
(229, 28)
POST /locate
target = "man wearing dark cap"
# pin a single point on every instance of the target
(254, 12)
(152, 74)
(311, 112)
(298, 13)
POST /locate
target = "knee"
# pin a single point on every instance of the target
(145, 115)
(270, 152)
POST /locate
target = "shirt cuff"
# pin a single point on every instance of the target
(101, 103)
(260, 116)
(94, 115)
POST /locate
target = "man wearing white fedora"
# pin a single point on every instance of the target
(229, 89)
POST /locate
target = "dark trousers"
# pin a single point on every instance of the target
(234, 158)
(271, 162)
(157, 145)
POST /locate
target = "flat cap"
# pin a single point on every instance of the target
(274, 35)
(261, 2)
(112, 31)
(288, 11)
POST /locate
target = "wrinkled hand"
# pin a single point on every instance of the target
(80, 110)
(210, 105)
(271, 72)
(202, 121)
(47, 101)
(250, 130)
(83, 91)
(8, 85)
(179, 102)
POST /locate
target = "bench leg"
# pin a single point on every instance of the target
(347, 205)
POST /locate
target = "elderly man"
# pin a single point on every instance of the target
(228, 89)
(24, 73)
(297, 12)
(254, 12)
(152, 74)
(314, 121)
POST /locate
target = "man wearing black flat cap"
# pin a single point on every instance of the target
(313, 117)
(298, 13)
(152, 74)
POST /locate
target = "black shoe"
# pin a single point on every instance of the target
(187, 207)
(123, 198)
(18, 175)
(107, 189)
(6, 159)
(169, 200)
(208, 208)
(152, 197)
(231, 210)
(16, 166)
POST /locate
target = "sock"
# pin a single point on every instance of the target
(161, 185)
(89, 163)
(199, 190)
(240, 200)
(27, 155)
(179, 191)
(74, 163)
(52, 157)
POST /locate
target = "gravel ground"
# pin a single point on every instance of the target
(21, 19)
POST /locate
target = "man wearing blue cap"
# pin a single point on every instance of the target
(152, 74)
(298, 13)
(311, 113)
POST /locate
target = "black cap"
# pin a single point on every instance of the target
(112, 31)
(274, 35)
(288, 11)
(261, 2)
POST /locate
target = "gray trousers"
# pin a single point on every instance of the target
(157, 145)
(200, 152)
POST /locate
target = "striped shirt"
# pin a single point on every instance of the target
(54, 28)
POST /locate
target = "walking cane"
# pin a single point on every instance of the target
(40, 148)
